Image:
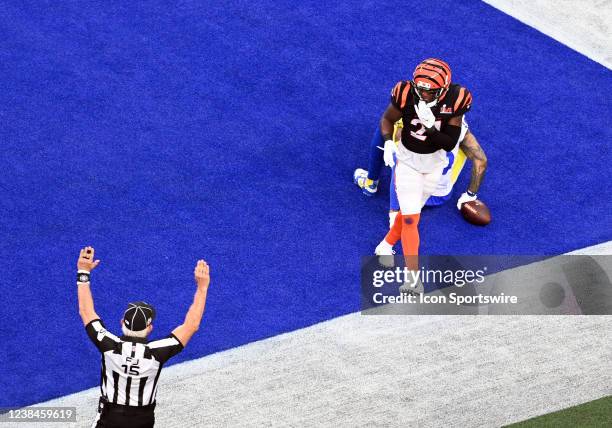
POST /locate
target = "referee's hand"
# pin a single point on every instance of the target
(202, 274)
(86, 260)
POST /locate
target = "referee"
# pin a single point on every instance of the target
(131, 364)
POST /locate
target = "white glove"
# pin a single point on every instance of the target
(389, 150)
(465, 198)
(425, 114)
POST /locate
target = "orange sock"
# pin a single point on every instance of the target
(410, 239)
(395, 233)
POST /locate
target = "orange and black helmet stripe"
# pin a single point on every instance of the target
(433, 77)
(435, 71)
(439, 66)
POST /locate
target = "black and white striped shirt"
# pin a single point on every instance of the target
(130, 366)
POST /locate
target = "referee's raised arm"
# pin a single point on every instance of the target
(194, 316)
(85, 265)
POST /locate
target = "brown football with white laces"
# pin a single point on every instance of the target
(476, 212)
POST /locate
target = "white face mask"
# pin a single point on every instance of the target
(430, 103)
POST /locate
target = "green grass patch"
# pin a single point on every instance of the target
(596, 413)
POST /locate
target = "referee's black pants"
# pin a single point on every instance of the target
(117, 416)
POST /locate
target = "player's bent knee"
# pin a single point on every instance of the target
(410, 208)
(411, 220)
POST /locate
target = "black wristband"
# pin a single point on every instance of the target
(387, 137)
(83, 277)
(471, 193)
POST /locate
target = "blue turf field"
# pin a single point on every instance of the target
(229, 130)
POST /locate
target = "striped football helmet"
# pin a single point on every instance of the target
(431, 79)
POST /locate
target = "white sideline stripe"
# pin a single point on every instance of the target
(390, 371)
(604, 248)
(582, 26)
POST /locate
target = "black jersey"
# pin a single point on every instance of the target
(455, 102)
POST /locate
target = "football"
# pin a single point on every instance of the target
(476, 212)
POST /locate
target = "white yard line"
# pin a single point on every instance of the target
(584, 26)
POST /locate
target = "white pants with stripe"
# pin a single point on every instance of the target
(416, 178)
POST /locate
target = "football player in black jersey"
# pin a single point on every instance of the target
(432, 110)
(468, 148)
